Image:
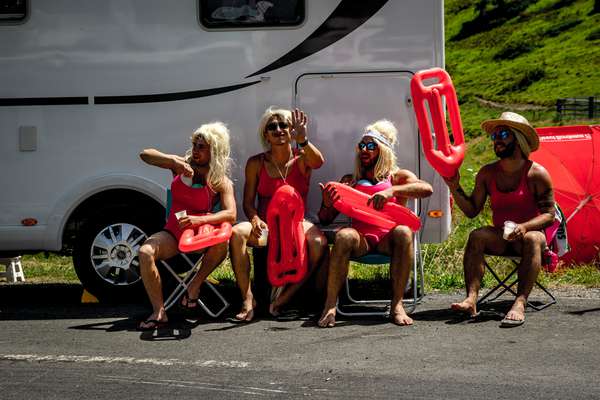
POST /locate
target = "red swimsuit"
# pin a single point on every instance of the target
(267, 186)
(196, 201)
(518, 206)
(373, 234)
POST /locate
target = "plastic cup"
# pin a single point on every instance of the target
(180, 214)
(509, 227)
(264, 235)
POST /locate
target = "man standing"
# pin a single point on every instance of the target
(520, 190)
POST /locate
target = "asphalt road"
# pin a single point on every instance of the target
(91, 351)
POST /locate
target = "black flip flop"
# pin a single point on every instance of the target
(155, 324)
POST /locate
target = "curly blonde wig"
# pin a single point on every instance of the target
(216, 136)
(273, 111)
(386, 162)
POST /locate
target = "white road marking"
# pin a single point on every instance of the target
(193, 384)
(122, 360)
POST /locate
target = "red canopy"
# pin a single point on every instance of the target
(571, 154)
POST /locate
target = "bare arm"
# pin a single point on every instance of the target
(472, 204)
(311, 157)
(405, 185)
(250, 187)
(544, 199)
(173, 162)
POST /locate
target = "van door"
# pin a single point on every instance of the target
(340, 106)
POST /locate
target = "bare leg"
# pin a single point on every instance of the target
(347, 242)
(399, 245)
(316, 247)
(482, 240)
(531, 263)
(159, 246)
(240, 261)
(213, 257)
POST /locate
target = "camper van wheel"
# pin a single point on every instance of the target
(105, 255)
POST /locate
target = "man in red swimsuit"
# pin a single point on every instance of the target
(520, 190)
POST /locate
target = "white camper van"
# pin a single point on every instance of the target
(85, 85)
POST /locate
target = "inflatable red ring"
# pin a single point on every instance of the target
(204, 236)
(353, 203)
(286, 255)
(447, 158)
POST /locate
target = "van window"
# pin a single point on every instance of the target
(13, 10)
(232, 14)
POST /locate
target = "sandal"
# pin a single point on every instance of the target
(187, 303)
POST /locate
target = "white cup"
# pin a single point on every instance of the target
(180, 214)
(264, 235)
(509, 227)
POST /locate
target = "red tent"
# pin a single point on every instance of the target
(571, 154)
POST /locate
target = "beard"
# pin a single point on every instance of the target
(508, 151)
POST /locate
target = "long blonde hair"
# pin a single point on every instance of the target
(269, 113)
(386, 162)
(216, 136)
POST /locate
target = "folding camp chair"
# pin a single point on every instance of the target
(416, 284)
(507, 283)
(183, 280)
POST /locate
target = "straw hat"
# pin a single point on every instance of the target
(517, 122)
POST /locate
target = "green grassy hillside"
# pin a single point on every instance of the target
(521, 55)
(513, 56)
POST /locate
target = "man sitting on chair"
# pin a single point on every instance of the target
(520, 190)
(376, 174)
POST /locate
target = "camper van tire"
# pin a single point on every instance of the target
(105, 254)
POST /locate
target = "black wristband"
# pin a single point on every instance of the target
(303, 144)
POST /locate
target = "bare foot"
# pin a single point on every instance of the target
(516, 313)
(274, 310)
(247, 312)
(399, 317)
(467, 306)
(327, 319)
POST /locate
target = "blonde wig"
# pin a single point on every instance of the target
(386, 162)
(216, 136)
(283, 114)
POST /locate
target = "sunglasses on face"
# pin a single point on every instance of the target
(272, 126)
(501, 134)
(369, 146)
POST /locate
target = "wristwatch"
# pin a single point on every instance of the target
(303, 144)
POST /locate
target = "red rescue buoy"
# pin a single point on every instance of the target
(286, 256)
(204, 236)
(448, 157)
(353, 203)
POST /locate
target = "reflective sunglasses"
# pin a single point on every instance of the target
(369, 146)
(272, 126)
(502, 135)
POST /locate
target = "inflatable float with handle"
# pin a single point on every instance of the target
(286, 255)
(447, 157)
(204, 236)
(353, 203)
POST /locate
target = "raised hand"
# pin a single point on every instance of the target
(299, 122)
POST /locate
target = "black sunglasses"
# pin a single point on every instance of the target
(369, 146)
(272, 126)
(502, 135)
